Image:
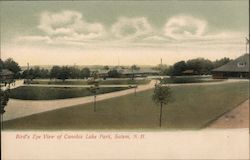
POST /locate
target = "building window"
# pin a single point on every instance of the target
(241, 64)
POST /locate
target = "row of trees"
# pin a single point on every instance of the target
(199, 66)
(58, 72)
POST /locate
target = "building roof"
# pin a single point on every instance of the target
(140, 71)
(189, 71)
(240, 64)
(6, 72)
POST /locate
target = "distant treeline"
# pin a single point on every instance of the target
(198, 66)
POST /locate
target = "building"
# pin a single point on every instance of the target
(139, 73)
(238, 68)
(189, 72)
(6, 75)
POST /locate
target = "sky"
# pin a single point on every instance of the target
(122, 32)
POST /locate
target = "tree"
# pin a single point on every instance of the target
(1, 65)
(55, 71)
(74, 72)
(221, 62)
(134, 68)
(64, 73)
(94, 89)
(85, 73)
(4, 99)
(4, 95)
(178, 68)
(44, 73)
(162, 96)
(106, 67)
(12, 66)
(113, 73)
(36, 73)
(200, 65)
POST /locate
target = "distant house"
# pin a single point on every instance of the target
(6, 74)
(238, 68)
(138, 73)
(125, 73)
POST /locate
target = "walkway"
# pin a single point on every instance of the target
(237, 118)
(21, 108)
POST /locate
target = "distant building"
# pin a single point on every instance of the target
(189, 72)
(6, 75)
(125, 72)
(238, 68)
(139, 73)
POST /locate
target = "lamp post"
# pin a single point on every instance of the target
(247, 43)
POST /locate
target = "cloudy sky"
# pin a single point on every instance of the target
(125, 32)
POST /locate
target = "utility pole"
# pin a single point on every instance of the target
(247, 43)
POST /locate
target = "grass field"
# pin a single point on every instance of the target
(101, 82)
(193, 108)
(49, 93)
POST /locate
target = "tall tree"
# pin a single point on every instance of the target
(162, 96)
(12, 66)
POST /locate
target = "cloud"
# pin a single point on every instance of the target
(70, 28)
(127, 28)
(185, 27)
(34, 38)
(69, 25)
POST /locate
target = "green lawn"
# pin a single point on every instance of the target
(193, 108)
(101, 82)
(49, 93)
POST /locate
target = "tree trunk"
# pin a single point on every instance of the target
(1, 125)
(160, 114)
(94, 103)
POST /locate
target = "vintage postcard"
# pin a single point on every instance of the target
(124, 79)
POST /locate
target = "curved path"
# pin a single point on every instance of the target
(21, 108)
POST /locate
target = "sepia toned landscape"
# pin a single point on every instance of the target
(164, 65)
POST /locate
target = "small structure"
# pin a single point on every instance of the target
(238, 68)
(189, 72)
(139, 73)
(6, 75)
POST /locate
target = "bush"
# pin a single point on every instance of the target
(49, 93)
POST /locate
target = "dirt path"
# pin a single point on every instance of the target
(237, 118)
